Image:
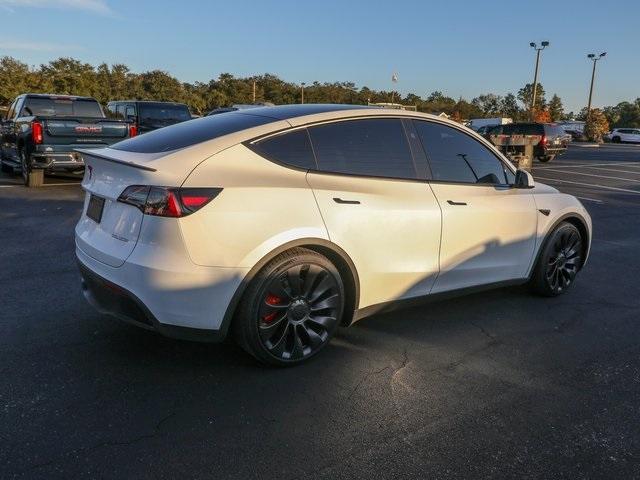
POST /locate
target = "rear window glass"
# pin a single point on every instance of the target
(189, 133)
(149, 113)
(61, 107)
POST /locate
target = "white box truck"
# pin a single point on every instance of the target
(476, 123)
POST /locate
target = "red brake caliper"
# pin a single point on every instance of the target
(271, 300)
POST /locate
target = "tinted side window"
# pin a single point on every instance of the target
(370, 147)
(456, 157)
(291, 148)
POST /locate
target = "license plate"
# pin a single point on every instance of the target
(95, 208)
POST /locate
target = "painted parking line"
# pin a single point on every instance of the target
(594, 200)
(604, 187)
(597, 176)
(630, 164)
(632, 172)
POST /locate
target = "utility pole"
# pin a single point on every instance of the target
(535, 75)
(302, 92)
(595, 59)
(254, 90)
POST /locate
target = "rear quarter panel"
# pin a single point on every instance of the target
(262, 206)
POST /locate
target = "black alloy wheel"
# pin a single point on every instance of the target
(560, 261)
(295, 308)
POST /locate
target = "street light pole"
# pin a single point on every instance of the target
(595, 59)
(302, 92)
(535, 75)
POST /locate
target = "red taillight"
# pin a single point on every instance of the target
(543, 142)
(168, 201)
(133, 131)
(36, 132)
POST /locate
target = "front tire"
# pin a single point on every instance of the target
(559, 262)
(616, 139)
(31, 178)
(291, 309)
(546, 158)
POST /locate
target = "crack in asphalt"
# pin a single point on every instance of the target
(109, 443)
(482, 329)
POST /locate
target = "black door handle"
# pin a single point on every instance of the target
(451, 202)
(346, 202)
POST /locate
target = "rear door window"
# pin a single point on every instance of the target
(456, 157)
(293, 148)
(367, 147)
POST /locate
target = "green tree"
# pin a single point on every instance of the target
(509, 107)
(70, 77)
(15, 78)
(525, 94)
(556, 110)
(489, 104)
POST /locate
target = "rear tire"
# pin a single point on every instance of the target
(559, 262)
(291, 309)
(546, 158)
(31, 178)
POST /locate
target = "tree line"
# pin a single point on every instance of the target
(117, 82)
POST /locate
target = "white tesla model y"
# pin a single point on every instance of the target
(280, 224)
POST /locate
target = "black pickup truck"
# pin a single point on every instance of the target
(41, 132)
(148, 116)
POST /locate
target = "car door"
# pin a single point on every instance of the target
(488, 227)
(635, 136)
(13, 129)
(377, 206)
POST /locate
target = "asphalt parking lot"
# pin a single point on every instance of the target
(497, 384)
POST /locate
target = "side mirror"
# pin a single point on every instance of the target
(523, 179)
(131, 118)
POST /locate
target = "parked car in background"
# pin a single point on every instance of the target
(147, 115)
(40, 134)
(184, 231)
(576, 135)
(239, 106)
(554, 139)
(486, 130)
(620, 135)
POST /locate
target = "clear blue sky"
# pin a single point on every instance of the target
(463, 48)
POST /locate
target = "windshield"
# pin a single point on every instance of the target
(61, 107)
(154, 114)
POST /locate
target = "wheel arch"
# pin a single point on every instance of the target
(333, 252)
(576, 220)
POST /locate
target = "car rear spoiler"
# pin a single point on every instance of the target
(92, 153)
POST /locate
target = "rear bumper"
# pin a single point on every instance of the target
(550, 150)
(58, 162)
(186, 303)
(59, 157)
